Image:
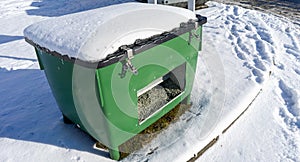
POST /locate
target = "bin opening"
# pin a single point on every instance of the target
(160, 92)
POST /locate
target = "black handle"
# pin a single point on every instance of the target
(201, 19)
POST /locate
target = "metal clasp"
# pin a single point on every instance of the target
(126, 62)
(193, 33)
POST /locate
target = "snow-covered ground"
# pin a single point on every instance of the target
(270, 129)
(240, 48)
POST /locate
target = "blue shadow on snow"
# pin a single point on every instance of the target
(7, 38)
(18, 58)
(28, 112)
(56, 8)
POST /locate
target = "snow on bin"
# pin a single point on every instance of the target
(116, 70)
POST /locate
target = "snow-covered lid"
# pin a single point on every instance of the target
(92, 35)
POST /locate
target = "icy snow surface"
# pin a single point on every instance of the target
(240, 48)
(93, 34)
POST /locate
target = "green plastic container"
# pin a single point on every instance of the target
(102, 97)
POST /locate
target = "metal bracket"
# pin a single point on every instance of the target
(195, 35)
(129, 53)
(196, 25)
(126, 62)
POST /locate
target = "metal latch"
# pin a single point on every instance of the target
(126, 62)
(193, 33)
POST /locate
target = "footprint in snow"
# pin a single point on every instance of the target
(258, 64)
(236, 11)
(241, 44)
(239, 54)
(265, 35)
(233, 19)
(280, 66)
(294, 47)
(290, 98)
(292, 50)
(261, 50)
(259, 76)
(248, 27)
(227, 8)
(230, 37)
(297, 71)
(234, 31)
(290, 114)
(227, 22)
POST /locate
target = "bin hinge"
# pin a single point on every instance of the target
(126, 62)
